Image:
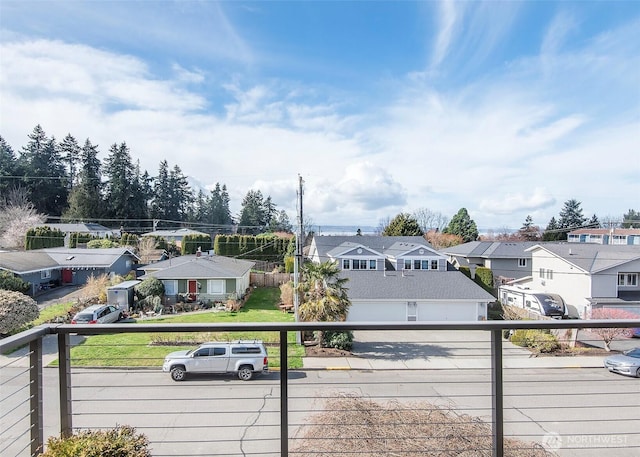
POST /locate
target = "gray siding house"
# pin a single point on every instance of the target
(395, 279)
(202, 277)
(45, 268)
(508, 260)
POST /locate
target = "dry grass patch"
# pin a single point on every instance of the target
(351, 425)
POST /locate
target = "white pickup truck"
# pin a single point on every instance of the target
(245, 358)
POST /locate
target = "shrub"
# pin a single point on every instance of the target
(538, 340)
(10, 282)
(338, 340)
(286, 293)
(121, 441)
(43, 237)
(16, 309)
(103, 243)
(289, 264)
(150, 287)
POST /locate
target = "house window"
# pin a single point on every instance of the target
(373, 265)
(45, 274)
(346, 264)
(215, 286)
(522, 263)
(434, 264)
(541, 272)
(619, 239)
(412, 311)
(549, 274)
(416, 264)
(407, 264)
(170, 287)
(628, 279)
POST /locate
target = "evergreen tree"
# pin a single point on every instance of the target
(201, 209)
(528, 231)
(71, 155)
(403, 224)
(280, 222)
(125, 193)
(252, 214)
(631, 219)
(161, 194)
(594, 222)
(181, 194)
(571, 215)
(44, 173)
(85, 200)
(552, 232)
(462, 225)
(9, 168)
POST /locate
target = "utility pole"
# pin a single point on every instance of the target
(298, 258)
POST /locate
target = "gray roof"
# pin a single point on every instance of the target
(414, 285)
(26, 261)
(204, 267)
(593, 258)
(326, 244)
(41, 259)
(174, 233)
(82, 227)
(492, 249)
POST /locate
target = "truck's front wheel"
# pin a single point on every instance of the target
(178, 374)
(245, 373)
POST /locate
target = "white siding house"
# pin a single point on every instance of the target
(588, 276)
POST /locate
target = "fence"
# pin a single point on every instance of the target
(269, 279)
(410, 387)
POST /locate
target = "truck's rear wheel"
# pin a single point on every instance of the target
(245, 373)
(178, 374)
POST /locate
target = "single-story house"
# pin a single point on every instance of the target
(174, 236)
(86, 228)
(49, 267)
(588, 276)
(202, 277)
(395, 279)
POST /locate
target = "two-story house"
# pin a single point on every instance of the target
(618, 236)
(588, 276)
(508, 260)
(400, 279)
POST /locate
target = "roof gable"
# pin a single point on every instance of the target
(204, 267)
(592, 258)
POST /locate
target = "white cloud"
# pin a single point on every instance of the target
(448, 16)
(518, 202)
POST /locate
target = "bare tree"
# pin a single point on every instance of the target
(17, 215)
(430, 220)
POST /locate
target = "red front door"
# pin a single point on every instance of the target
(67, 276)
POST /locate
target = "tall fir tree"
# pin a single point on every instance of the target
(85, 199)
(71, 152)
(9, 168)
(125, 196)
(252, 215)
(161, 194)
(44, 174)
(528, 231)
(552, 232)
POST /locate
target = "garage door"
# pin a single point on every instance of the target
(398, 312)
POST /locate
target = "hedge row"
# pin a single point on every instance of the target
(484, 277)
(43, 237)
(266, 247)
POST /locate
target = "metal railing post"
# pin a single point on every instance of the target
(64, 377)
(497, 404)
(284, 396)
(35, 395)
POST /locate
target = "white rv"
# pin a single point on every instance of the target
(543, 303)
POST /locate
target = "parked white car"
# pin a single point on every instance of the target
(98, 314)
(244, 358)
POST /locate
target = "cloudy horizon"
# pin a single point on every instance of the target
(507, 109)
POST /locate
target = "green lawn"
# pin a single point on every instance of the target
(149, 349)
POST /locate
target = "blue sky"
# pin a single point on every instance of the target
(505, 108)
